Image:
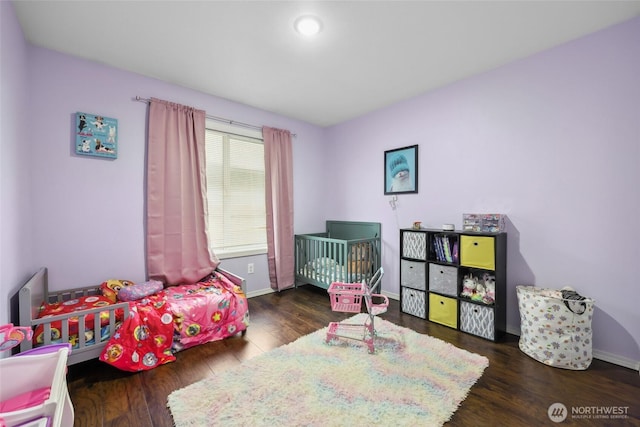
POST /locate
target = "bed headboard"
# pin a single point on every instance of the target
(34, 292)
(31, 296)
(351, 230)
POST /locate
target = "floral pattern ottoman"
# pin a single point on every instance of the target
(555, 330)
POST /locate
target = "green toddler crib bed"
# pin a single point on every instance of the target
(347, 251)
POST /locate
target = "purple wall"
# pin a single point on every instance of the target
(16, 264)
(553, 141)
(94, 208)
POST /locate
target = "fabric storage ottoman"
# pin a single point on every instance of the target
(555, 330)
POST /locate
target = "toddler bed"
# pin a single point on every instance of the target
(347, 251)
(141, 332)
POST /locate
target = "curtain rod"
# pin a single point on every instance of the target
(218, 119)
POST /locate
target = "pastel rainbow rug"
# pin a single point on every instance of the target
(412, 379)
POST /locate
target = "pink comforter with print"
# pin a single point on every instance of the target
(206, 311)
(176, 318)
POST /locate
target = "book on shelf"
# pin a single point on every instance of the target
(436, 247)
(447, 249)
(443, 249)
(455, 252)
(441, 255)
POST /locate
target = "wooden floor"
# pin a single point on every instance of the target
(515, 390)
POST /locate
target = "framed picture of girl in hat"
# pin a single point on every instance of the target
(401, 170)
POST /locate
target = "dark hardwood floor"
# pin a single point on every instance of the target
(515, 390)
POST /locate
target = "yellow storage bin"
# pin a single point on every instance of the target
(443, 310)
(478, 251)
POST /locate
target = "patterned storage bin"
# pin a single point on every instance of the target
(555, 330)
(414, 302)
(477, 320)
(414, 245)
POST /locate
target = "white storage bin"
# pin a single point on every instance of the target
(22, 374)
(551, 332)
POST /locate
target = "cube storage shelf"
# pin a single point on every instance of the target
(433, 268)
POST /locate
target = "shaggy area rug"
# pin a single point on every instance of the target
(412, 379)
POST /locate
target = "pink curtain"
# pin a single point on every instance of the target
(278, 154)
(177, 244)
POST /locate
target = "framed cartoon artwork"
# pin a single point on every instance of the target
(96, 136)
(401, 170)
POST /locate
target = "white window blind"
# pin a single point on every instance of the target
(235, 194)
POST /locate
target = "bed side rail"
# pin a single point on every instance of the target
(90, 339)
(69, 294)
(83, 331)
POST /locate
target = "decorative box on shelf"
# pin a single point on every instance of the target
(484, 223)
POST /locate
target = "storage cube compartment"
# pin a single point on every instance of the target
(413, 274)
(443, 279)
(477, 251)
(413, 302)
(477, 320)
(477, 285)
(414, 245)
(443, 310)
(444, 247)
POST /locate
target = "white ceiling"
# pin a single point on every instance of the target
(370, 54)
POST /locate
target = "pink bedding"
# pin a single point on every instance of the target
(206, 311)
(174, 319)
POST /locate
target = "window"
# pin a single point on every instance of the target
(235, 192)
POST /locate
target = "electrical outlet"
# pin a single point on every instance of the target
(250, 268)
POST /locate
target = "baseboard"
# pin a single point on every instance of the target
(391, 295)
(513, 331)
(617, 360)
(259, 292)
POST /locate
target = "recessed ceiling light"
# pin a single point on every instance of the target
(308, 25)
